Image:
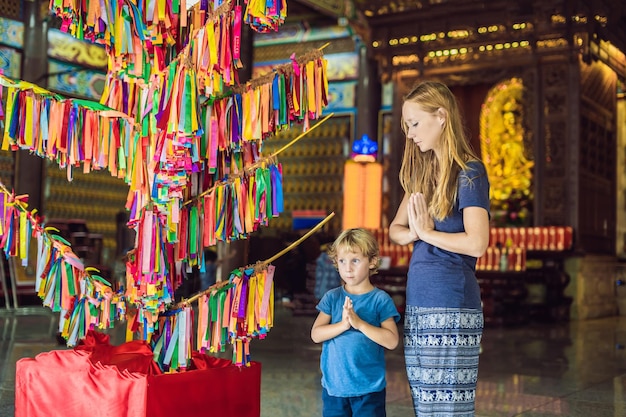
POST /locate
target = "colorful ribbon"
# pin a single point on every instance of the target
(84, 299)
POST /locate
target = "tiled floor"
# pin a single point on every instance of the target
(573, 369)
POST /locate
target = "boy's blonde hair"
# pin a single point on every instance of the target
(357, 239)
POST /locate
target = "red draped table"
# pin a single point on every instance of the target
(96, 379)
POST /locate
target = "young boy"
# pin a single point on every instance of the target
(356, 322)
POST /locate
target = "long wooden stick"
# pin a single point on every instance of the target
(266, 262)
(301, 135)
(324, 46)
(302, 239)
(268, 158)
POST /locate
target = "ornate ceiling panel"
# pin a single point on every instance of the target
(605, 16)
(434, 33)
(422, 33)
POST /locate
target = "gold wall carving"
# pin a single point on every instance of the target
(64, 47)
(509, 163)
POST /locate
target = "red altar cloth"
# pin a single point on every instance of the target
(96, 379)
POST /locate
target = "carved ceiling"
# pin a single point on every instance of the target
(412, 32)
(386, 15)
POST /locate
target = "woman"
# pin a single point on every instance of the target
(445, 214)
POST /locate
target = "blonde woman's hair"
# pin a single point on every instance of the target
(354, 240)
(422, 171)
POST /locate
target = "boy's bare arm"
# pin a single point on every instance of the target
(386, 335)
(322, 330)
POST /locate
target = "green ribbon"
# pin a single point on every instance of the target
(282, 110)
(187, 96)
(193, 231)
(261, 186)
(91, 105)
(268, 195)
(213, 309)
(70, 282)
(58, 282)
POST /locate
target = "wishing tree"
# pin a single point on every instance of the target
(176, 125)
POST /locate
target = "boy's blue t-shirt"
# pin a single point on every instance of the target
(437, 277)
(351, 363)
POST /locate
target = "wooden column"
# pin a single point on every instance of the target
(396, 193)
(367, 96)
(29, 169)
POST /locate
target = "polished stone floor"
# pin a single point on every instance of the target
(575, 369)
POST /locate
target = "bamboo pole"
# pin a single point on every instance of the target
(301, 135)
(302, 239)
(297, 138)
(289, 248)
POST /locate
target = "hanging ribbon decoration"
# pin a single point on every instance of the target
(266, 15)
(67, 131)
(153, 293)
(194, 143)
(232, 312)
(100, 137)
(129, 30)
(246, 201)
(230, 210)
(140, 36)
(83, 299)
(173, 351)
(185, 125)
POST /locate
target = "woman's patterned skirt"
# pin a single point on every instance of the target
(441, 349)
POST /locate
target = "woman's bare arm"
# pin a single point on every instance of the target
(399, 230)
